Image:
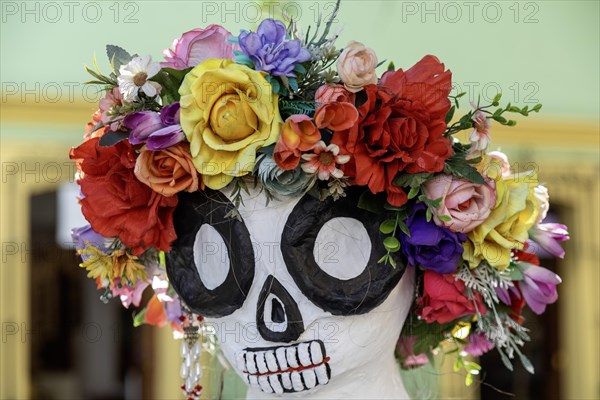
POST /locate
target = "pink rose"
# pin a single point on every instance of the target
(356, 66)
(464, 205)
(333, 93)
(198, 45)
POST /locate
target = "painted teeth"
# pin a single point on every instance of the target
(261, 363)
(316, 353)
(271, 361)
(263, 382)
(284, 369)
(251, 366)
(304, 354)
(323, 373)
(292, 361)
(275, 384)
(280, 353)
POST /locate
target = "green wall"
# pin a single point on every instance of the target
(531, 50)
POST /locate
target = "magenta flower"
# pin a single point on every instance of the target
(538, 286)
(478, 344)
(405, 348)
(198, 45)
(549, 236)
(130, 294)
(158, 131)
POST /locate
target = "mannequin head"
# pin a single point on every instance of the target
(293, 289)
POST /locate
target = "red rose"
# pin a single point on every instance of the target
(400, 128)
(117, 204)
(445, 299)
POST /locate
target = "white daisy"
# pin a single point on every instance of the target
(134, 76)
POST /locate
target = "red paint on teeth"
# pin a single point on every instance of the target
(291, 369)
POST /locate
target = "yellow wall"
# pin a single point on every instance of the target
(565, 152)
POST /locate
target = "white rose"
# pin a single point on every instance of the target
(356, 66)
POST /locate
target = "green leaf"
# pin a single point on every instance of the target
(293, 84)
(505, 360)
(243, 59)
(293, 107)
(170, 79)
(500, 119)
(514, 272)
(526, 363)
(383, 259)
(411, 180)
(414, 191)
(391, 244)
(117, 56)
(276, 86)
(299, 68)
(426, 342)
(139, 318)
(444, 217)
(497, 98)
(404, 228)
(469, 379)
(111, 138)
(391, 66)
(387, 226)
(371, 202)
(392, 261)
(428, 214)
(461, 169)
(450, 114)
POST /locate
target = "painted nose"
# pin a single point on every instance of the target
(277, 314)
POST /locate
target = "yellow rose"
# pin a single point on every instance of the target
(228, 111)
(514, 214)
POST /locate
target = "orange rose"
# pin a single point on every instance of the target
(298, 134)
(336, 116)
(167, 171)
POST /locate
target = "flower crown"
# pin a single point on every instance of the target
(292, 116)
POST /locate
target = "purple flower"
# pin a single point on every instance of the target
(538, 286)
(549, 236)
(142, 124)
(87, 234)
(478, 345)
(504, 294)
(271, 50)
(173, 309)
(430, 246)
(158, 131)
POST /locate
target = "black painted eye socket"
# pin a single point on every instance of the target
(194, 211)
(357, 295)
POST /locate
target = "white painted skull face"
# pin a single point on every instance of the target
(294, 290)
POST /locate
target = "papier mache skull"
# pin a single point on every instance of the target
(293, 289)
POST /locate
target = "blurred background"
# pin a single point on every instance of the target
(60, 341)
